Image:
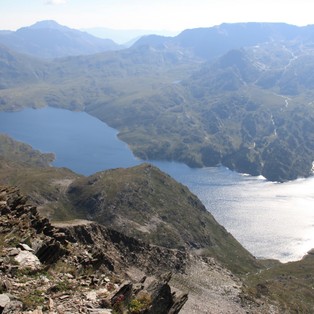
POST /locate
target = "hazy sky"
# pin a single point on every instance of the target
(172, 15)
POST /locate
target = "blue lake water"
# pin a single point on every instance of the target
(271, 220)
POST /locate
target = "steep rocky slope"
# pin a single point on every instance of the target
(77, 269)
(83, 267)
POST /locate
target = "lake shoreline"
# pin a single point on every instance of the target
(269, 219)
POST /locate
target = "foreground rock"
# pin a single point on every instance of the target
(80, 269)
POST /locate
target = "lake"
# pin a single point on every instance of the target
(271, 220)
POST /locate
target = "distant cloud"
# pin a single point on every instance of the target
(56, 2)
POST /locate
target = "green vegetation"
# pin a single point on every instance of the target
(23, 153)
(146, 203)
(29, 169)
(141, 201)
(138, 305)
(291, 285)
(34, 299)
(247, 110)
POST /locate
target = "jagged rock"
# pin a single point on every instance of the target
(60, 236)
(124, 293)
(178, 304)
(9, 305)
(163, 300)
(50, 252)
(37, 311)
(78, 249)
(91, 296)
(38, 225)
(151, 258)
(51, 304)
(4, 285)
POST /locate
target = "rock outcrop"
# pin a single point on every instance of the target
(80, 268)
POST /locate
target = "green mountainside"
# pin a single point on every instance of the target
(264, 131)
(142, 202)
(290, 285)
(250, 108)
(18, 69)
(30, 170)
(23, 153)
(146, 203)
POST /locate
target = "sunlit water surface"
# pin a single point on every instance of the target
(271, 220)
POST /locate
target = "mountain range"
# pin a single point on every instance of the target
(210, 43)
(125, 37)
(239, 95)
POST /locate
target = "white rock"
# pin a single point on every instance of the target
(69, 276)
(14, 252)
(51, 304)
(27, 259)
(91, 296)
(102, 291)
(44, 279)
(4, 300)
(25, 247)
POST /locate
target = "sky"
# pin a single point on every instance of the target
(172, 15)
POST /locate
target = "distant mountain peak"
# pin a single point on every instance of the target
(48, 24)
(48, 39)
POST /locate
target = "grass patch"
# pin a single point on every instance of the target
(290, 284)
(33, 299)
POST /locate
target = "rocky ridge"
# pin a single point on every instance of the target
(147, 204)
(80, 269)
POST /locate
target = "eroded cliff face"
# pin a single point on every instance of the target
(79, 267)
